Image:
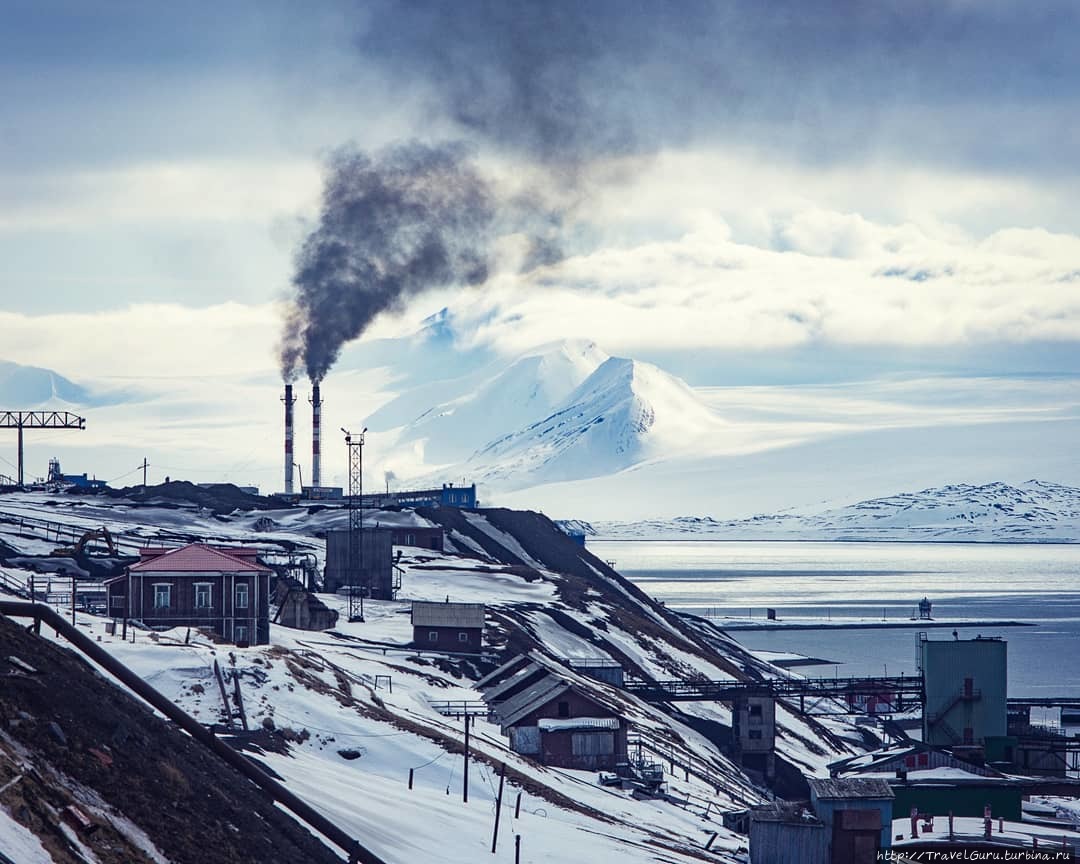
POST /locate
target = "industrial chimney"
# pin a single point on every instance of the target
(316, 420)
(288, 399)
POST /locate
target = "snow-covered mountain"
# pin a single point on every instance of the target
(626, 412)
(1035, 511)
(497, 401)
(30, 386)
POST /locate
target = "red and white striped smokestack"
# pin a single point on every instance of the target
(316, 422)
(288, 399)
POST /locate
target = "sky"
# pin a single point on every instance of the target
(746, 194)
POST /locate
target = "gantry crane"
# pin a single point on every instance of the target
(38, 420)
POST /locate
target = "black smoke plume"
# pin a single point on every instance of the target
(408, 219)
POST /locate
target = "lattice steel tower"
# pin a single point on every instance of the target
(357, 579)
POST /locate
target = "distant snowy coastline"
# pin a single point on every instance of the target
(1033, 512)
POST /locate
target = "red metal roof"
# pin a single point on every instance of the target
(198, 558)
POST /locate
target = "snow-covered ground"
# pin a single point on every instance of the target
(358, 711)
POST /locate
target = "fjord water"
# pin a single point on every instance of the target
(853, 582)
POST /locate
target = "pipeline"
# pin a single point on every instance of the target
(358, 854)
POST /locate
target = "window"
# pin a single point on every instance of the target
(203, 595)
(564, 709)
(410, 539)
(162, 596)
(240, 633)
(462, 637)
(242, 595)
(755, 710)
(924, 760)
(755, 734)
(433, 636)
(116, 601)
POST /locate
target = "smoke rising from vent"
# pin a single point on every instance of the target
(394, 224)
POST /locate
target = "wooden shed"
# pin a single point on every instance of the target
(560, 723)
(448, 626)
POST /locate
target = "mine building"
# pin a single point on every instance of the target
(966, 705)
(845, 822)
(448, 626)
(222, 589)
(557, 716)
(375, 555)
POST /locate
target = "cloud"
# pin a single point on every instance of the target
(827, 278)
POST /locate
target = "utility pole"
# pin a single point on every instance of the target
(358, 582)
(465, 782)
(144, 466)
(38, 420)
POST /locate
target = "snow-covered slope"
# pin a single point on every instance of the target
(498, 401)
(352, 738)
(1035, 511)
(30, 386)
(624, 413)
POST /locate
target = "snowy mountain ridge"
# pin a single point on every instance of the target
(624, 413)
(1034, 511)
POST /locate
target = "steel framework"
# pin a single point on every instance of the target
(357, 581)
(892, 694)
(38, 420)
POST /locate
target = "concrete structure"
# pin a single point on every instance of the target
(448, 626)
(965, 682)
(753, 733)
(217, 588)
(316, 436)
(376, 563)
(299, 608)
(290, 460)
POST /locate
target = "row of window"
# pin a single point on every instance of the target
(433, 636)
(204, 595)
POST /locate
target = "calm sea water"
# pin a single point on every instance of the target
(866, 581)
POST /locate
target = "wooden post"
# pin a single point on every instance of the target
(712, 840)
(517, 849)
(498, 808)
(410, 777)
(73, 599)
(465, 779)
(239, 699)
(224, 696)
(517, 806)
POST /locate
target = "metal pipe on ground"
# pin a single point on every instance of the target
(358, 854)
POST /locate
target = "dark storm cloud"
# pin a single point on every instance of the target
(393, 224)
(564, 82)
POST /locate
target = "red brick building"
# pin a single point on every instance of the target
(219, 588)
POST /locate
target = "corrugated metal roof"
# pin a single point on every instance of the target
(861, 787)
(506, 689)
(447, 614)
(527, 701)
(562, 724)
(500, 674)
(198, 558)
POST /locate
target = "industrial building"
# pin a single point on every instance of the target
(845, 822)
(965, 682)
(448, 626)
(934, 781)
(217, 588)
(374, 555)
